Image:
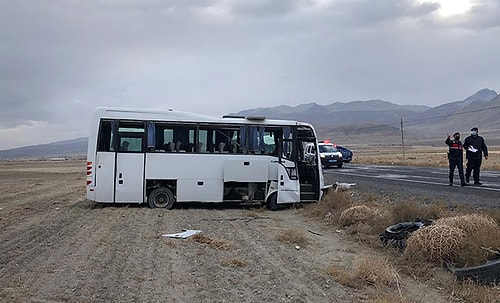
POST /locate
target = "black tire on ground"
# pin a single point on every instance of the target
(272, 202)
(396, 234)
(486, 273)
(161, 197)
(340, 164)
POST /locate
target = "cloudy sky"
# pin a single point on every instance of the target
(59, 59)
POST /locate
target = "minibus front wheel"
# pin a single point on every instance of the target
(272, 202)
(161, 197)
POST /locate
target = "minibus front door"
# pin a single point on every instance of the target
(288, 183)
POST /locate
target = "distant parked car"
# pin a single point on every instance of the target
(346, 153)
(329, 155)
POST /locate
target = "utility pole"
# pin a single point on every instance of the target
(402, 140)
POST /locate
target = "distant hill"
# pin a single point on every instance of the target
(481, 109)
(356, 122)
(67, 148)
(379, 121)
(339, 113)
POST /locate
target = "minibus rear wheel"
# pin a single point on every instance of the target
(161, 197)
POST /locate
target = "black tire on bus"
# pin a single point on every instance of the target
(272, 202)
(161, 197)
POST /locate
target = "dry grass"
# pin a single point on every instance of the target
(368, 222)
(370, 270)
(234, 262)
(494, 213)
(422, 270)
(211, 242)
(345, 277)
(356, 214)
(472, 292)
(407, 211)
(416, 156)
(388, 298)
(436, 243)
(342, 276)
(472, 224)
(355, 217)
(293, 236)
(449, 242)
(255, 212)
(377, 271)
(459, 239)
(331, 206)
(482, 237)
(457, 235)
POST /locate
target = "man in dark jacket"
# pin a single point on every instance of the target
(456, 157)
(476, 148)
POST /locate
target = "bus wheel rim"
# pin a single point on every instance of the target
(161, 200)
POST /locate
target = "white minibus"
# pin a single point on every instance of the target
(167, 157)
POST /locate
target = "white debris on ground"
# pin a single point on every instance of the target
(343, 186)
(184, 234)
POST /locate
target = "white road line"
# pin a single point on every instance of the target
(486, 173)
(384, 177)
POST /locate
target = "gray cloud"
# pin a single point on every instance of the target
(59, 59)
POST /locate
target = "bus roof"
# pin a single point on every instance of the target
(179, 116)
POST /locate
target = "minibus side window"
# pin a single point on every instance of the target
(105, 137)
(131, 137)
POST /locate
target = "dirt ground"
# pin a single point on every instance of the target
(58, 247)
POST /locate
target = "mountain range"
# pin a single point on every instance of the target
(67, 148)
(347, 123)
(378, 121)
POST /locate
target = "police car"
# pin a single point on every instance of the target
(328, 153)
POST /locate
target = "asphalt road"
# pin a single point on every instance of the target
(428, 184)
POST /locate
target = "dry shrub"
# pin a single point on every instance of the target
(362, 229)
(411, 210)
(371, 198)
(418, 269)
(356, 214)
(234, 262)
(365, 233)
(368, 271)
(494, 213)
(331, 205)
(293, 236)
(171, 244)
(459, 239)
(374, 270)
(254, 212)
(213, 243)
(342, 276)
(434, 243)
(481, 231)
(472, 224)
(389, 298)
(472, 292)
(364, 223)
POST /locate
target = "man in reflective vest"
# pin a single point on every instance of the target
(455, 157)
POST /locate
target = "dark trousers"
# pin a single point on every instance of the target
(458, 163)
(473, 165)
